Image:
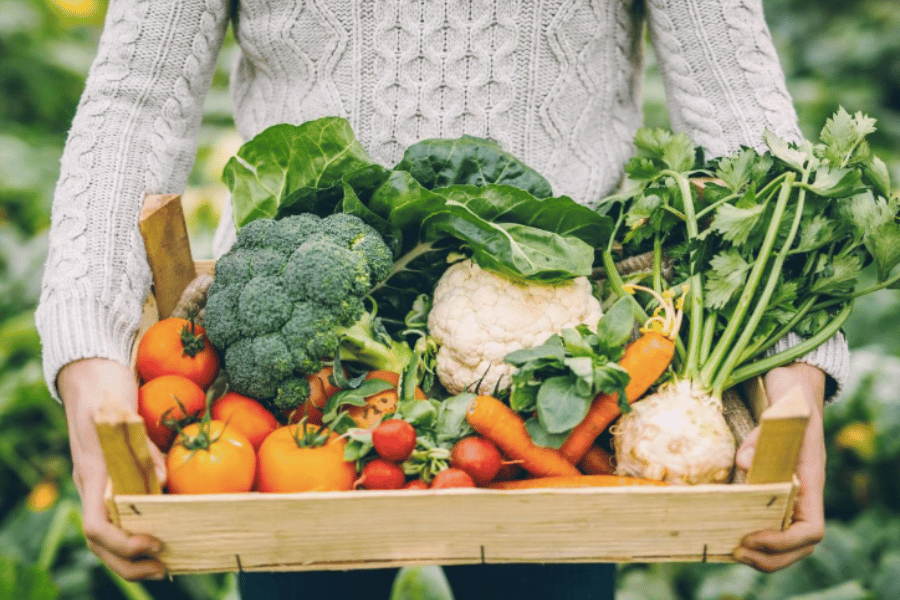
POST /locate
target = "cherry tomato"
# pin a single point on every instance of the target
(416, 484)
(227, 465)
(477, 456)
(166, 400)
(283, 465)
(246, 415)
(173, 347)
(452, 478)
(394, 439)
(381, 474)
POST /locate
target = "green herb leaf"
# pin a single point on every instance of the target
(541, 437)
(736, 224)
(792, 157)
(843, 135)
(727, 274)
(560, 407)
(837, 274)
(736, 170)
(617, 324)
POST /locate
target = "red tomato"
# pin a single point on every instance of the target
(477, 456)
(246, 415)
(172, 347)
(416, 484)
(166, 400)
(394, 439)
(227, 465)
(452, 478)
(381, 474)
(284, 466)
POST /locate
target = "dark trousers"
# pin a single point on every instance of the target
(468, 582)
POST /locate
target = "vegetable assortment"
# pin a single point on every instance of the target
(439, 323)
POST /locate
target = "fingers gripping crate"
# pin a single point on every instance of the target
(369, 529)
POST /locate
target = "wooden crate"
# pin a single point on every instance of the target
(369, 529)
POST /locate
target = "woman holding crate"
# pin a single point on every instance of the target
(556, 82)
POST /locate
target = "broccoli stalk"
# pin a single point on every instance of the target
(367, 342)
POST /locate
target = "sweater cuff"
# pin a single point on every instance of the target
(832, 357)
(76, 328)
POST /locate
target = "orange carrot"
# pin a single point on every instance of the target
(494, 420)
(645, 360)
(573, 482)
(596, 461)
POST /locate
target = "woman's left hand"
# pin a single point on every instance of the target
(770, 551)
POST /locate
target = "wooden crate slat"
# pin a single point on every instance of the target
(372, 529)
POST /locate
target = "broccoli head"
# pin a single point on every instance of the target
(287, 295)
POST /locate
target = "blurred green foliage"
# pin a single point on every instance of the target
(835, 53)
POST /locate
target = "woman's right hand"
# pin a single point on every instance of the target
(82, 386)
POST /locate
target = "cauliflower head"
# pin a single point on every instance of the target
(478, 317)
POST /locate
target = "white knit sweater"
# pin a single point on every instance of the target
(556, 82)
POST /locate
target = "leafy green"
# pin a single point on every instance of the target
(445, 199)
(775, 244)
(283, 160)
(560, 378)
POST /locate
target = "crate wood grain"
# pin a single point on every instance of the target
(370, 529)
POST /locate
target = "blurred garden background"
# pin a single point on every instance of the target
(835, 52)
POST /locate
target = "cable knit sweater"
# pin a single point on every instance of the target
(556, 82)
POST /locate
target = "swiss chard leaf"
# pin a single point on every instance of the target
(284, 159)
(469, 160)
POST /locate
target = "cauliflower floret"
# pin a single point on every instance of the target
(478, 317)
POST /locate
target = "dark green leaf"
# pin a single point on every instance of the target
(617, 324)
(469, 160)
(451, 418)
(560, 407)
(541, 437)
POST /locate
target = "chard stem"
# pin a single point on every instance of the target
(736, 323)
(763, 302)
(789, 355)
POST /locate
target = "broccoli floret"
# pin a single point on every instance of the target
(372, 248)
(233, 268)
(256, 234)
(222, 311)
(263, 306)
(287, 295)
(311, 335)
(324, 272)
(293, 231)
(354, 234)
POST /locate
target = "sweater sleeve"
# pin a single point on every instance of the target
(134, 133)
(724, 87)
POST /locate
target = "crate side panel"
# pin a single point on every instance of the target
(371, 529)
